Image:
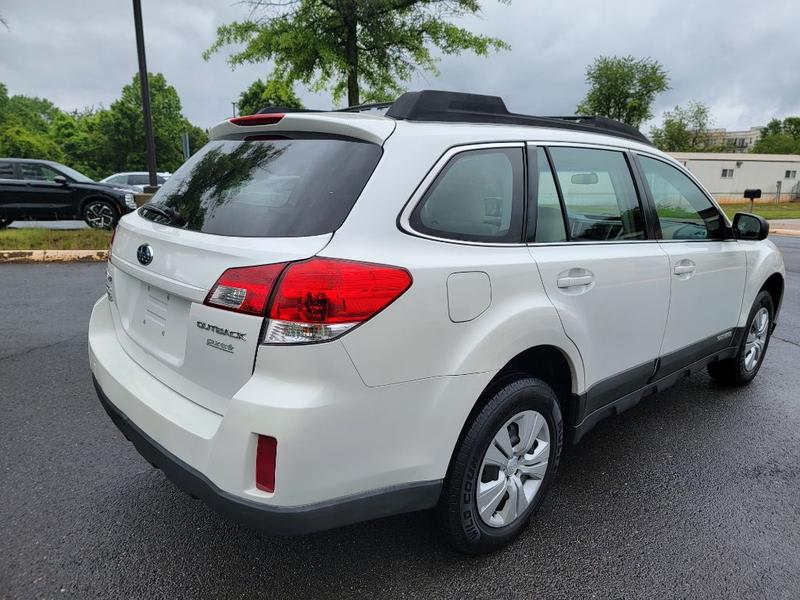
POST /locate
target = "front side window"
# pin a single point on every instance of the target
(684, 211)
(599, 195)
(118, 179)
(38, 172)
(477, 197)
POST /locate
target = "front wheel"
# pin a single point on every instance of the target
(100, 214)
(5, 223)
(503, 467)
(742, 368)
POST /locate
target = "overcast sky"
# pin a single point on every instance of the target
(738, 56)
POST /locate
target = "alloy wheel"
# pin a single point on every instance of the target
(513, 468)
(756, 339)
(99, 215)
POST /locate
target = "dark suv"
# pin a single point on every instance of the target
(42, 190)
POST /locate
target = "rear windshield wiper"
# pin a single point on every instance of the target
(170, 214)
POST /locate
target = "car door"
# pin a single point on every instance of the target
(600, 266)
(10, 186)
(42, 198)
(707, 268)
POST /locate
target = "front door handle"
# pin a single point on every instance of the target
(570, 282)
(685, 268)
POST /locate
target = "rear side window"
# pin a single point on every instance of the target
(684, 211)
(477, 197)
(6, 170)
(267, 188)
(138, 179)
(599, 194)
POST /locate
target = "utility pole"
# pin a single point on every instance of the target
(149, 140)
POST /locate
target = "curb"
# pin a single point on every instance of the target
(26, 256)
(789, 232)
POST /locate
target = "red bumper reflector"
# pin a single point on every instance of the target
(265, 463)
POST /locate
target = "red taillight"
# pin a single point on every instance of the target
(268, 119)
(245, 289)
(314, 300)
(322, 298)
(266, 452)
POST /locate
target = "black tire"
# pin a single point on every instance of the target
(100, 214)
(457, 511)
(733, 371)
(5, 223)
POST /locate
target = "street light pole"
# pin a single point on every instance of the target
(149, 140)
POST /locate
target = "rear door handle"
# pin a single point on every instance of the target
(685, 267)
(570, 282)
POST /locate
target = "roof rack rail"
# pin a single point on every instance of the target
(456, 107)
(268, 110)
(365, 107)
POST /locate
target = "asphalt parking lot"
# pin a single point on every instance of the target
(693, 493)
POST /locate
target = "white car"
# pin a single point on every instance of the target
(136, 179)
(328, 317)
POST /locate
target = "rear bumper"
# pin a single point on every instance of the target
(276, 520)
(347, 452)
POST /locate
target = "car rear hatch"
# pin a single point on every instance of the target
(253, 196)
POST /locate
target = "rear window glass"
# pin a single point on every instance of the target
(266, 188)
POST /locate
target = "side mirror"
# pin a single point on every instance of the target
(747, 226)
(60, 180)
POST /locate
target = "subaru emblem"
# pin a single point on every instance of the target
(145, 254)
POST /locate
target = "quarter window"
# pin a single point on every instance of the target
(599, 195)
(549, 218)
(477, 197)
(684, 211)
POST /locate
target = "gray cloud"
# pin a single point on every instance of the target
(738, 56)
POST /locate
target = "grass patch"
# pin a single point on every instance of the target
(788, 210)
(50, 239)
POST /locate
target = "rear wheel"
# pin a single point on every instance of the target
(5, 223)
(503, 467)
(100, 214)
(742, 368)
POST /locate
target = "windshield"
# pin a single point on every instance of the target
(75, 175)
(273, 187)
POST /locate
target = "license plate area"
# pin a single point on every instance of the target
(158, 323)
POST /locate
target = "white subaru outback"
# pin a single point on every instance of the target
(328, 317)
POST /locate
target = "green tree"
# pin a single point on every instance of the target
(363, 49)
(685, 129)
(623, 88)
(272, 93)
(20, 142)
(123, 127)
(779, 137)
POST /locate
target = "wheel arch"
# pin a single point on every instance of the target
(774, 286)
(112, 201)
(546, 362)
